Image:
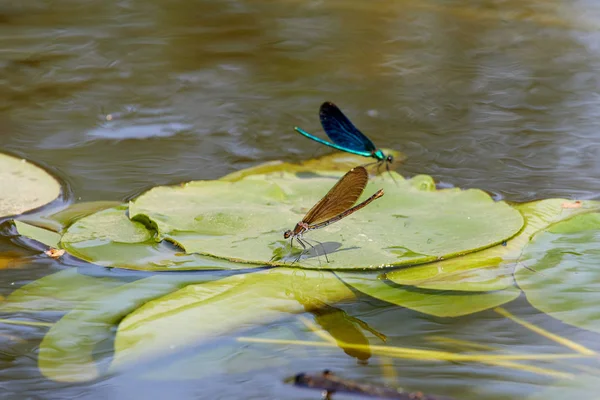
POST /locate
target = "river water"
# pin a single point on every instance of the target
(118, 96)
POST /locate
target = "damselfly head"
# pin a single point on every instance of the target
(287, 234)
(389, 159)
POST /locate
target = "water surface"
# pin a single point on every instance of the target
(115, 97)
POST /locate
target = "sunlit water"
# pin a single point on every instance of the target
(115, 97)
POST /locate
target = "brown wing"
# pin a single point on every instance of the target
(340, 198)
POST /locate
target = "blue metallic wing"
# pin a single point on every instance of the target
(343, 132)
(335, 146)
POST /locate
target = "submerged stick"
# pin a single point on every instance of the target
(330, 383)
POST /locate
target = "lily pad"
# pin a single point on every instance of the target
(74, 212)
(492, 268)
(58, 292)
(564, 279)
(243, 221)
(205, 311)
(220, 225)
(64, 217)
(440, 303)
(101, 226)
(44, 236)
(109, 238)
(337, 161)
(111, 242)
(70, 350)
(25, 186)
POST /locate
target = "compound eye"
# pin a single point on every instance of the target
(287, 234)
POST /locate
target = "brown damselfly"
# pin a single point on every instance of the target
(337, 204)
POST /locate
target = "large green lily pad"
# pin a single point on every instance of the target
(109, 238)
(25, 186)
(244, 220)
(117, 242)
(564, 276)
(491, 269)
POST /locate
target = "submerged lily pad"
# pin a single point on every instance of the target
(441, 303)
(201, 312)
(25, 186)
(60, 292)
(244, 220)
(564, 279)
(70, 351)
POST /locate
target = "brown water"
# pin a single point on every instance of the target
(118, 96)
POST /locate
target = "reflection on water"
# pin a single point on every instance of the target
(496, 96)
(120, 96)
